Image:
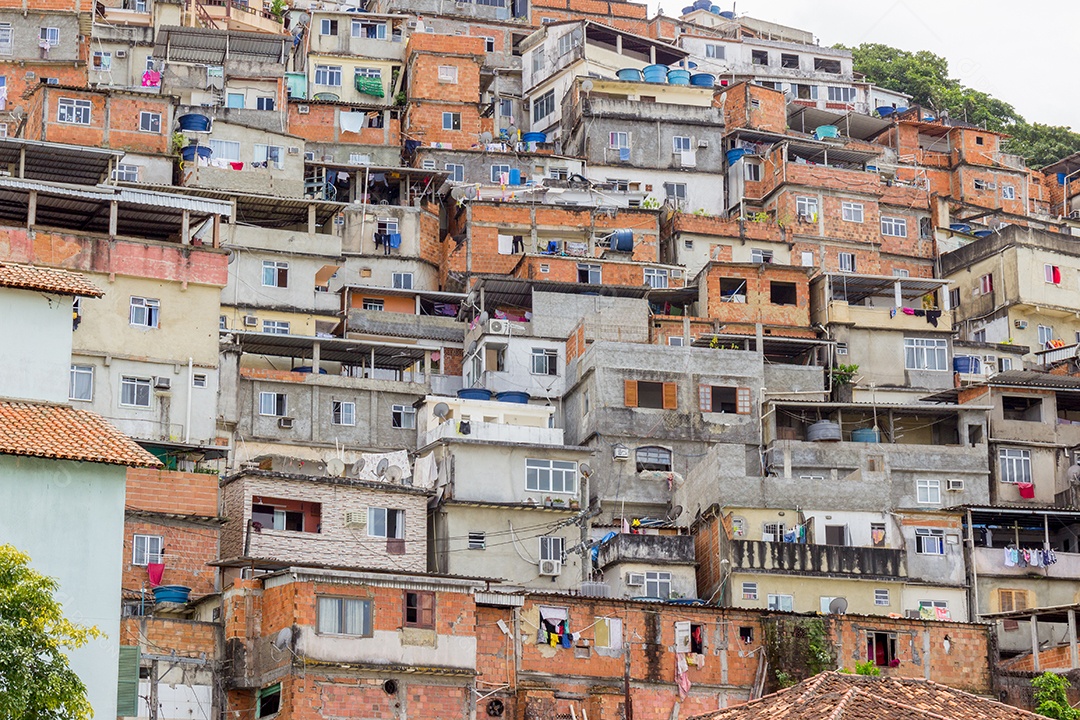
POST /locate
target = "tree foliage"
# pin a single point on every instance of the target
(925, 76)
(1050, 697)
(36, 680)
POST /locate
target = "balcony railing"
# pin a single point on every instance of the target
(659, 549)
(779, 557)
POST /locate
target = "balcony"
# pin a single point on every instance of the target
(991, 561)
(881, 302)
(651, 112)
(400, 324)
(648, 549)
(230, 15)
(495, 432)
(795, 558)
(884, 318)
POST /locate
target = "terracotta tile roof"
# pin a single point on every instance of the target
(32, 277)
(839, 696)
(64, 433)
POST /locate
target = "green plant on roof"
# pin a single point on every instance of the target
(843, 374)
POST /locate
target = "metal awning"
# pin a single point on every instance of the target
(433, 295)
(390, 356)
(268, 211)
(1050, 613)
(517, 292)
(852, 124)
(856, 288)
(1067, 165)
(773, 346)
(214, 47)
(665, 54)
(56, 162)
(393, 172)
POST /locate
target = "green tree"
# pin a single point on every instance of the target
(36, 680)
(1050, 697)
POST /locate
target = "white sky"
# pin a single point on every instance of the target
(1018, 52)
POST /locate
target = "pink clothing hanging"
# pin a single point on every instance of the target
(155, 571)
(1027, 490)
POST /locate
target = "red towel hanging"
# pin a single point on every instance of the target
(155, 571)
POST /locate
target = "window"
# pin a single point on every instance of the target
(749, 591)
(982, 185)
(81, 384)
(344, 616)
(1012, 600)
(759, 57)
(275, 327)
(781, 603)
(1008, 192)
(328, 27)
(551, 548)
(199, 380)
(343, 413)
(538, 59)
(928, 491)
(543, 106)
(506, 107)
(457, 172)
(427, 164)
(498, 172)
(805, 92)
(681, 143)
(419, 609)
(1014, 465)
(656, 277)
(828, 65)
(143, 312)
(477, 540)
(881, 648)
(758, 255)
(783, 293)
(675, 193)
(723, 399)
(76, 112)
(877, 534)
(370, 30)
(842, 94)
(386, 226)
(451, 121)
(403, 416)
(126, 173)
(979, 140)
(1046, 336)
(658, 585)
(806, 208)
(986, 284)
(894, 227)
(618, 140)
(954, 298)
(146, 549)
(929, 541)
(881, 597)
(273, 404)
(714, 52)
(275, 274)
(900, 272)
(926, 228)
(7, 44)
(489, 43)
(653, 458)
(608, 633)
(270, 155)
(589, 274)
(807, 258)
(790, 61)
(403, 280)
(545, 361)
(269, 701)
(135, 391)
(329, 75)
(225, 150)
(851, 212)
(264, 103)
(772, 532)
(385, 523)
(926, 354)
(675, 340)
(370, 73)
(102, 60)
(654, 395)
(752, 172)
(557, 476)
(448, 74)
(1052, 274)
(374, 304)
(1017, 407)
(567, 42)
(50, 36)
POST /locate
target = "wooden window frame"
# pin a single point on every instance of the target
(425, 609)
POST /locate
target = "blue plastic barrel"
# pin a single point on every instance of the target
(727, 14)
(702, 80)
(983, 233)
(960, 227)
(688, 9)
(826, 131)
(513, 396)
(735, 155)
(172, 594)
(702, 4)
(678, 77)
(901, 110)
(864, 435)
(629, 74)
(534, 137)
(515, 176)
(623, 240)
(714, 9)
(188, 153)
(194, 122)
(474, 394)
(886, 110)
(655, 73)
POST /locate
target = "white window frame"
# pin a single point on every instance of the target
(761, 256)
(1046, 336)
(448, 74)
(328, 27)
(541, 473)
(373, 304)
(1014, 465)
(265, 408)
(85, 373)
(617, 140)
(933, 545)
(714, 51)
(806, 207)
(358, 29)
(102, 61)
(225, 150)
(497, 171)
(149, 122)
(656, 277)
(456, 170)
(402, 281)
(276, 327)
(682, 143)
(377, 516)
(200, 380)
(881, 597)
(543, 106)
(675, 191)
(144, 312)
(986, 284)
(330, 75)
(268, 154)
(147, 549)
(851, 212)
(450, 116)
(1008, 192)
(752, 172)
(477, 540)
(342, 413)
(7, 39)
(781, 603)
(551, 547)
(270, 272)
(656, 583)
(403, 417)
(73, 111)
(1048, 273)
(893, 226)
(594, 271)
(807, 258)
(749, 591)
(136, 386)
(545, 361)
(926, 354)
(126, 173)
(928, 491)
(50, 35)
(846, 262)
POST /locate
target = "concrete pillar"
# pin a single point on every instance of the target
(31, 210)
(926, 653)
(1074, 656)
(185, 227)
(1035, 642)
(217, 231)
(311, 218)
(316, 351)
(114, 211)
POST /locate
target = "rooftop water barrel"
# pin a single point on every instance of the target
(194, 122)
(172, 594)
(929, 118)
(983, 233)
(623, 240)
(678, 77)
(515, 176)
(966, 364)
(702, 4)
(188, 153)
(326, 96)
(727, 14)
(513, 396)
(960, 227)
(655, 73)
(826, 131)
(886, 110)
(688, 9)
(629, 74)
(823, 431)
(714, 9)
(735, 155)
(533, 137)
(901, 110)
(866, 435)
(702, 80)
(474, 394)
(690, 65)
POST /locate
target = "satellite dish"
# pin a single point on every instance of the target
(357, 467)
(441, 410)
(283, 638)
(838, 606)
(394, 473)
(586, 85)
(675, 512)
(335, 467)
(585, 470)
(458, 193)
(380, 469)
(485, 137)
(231, 254)
(484, 317)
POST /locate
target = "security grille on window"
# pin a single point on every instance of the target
(658, 585)
(403, 416)
(81, 383)
(928, 491)
(653, 458)
(143, 312)
(403, 280)
(881, 596)
(457, 172)
(146, 549)
(929, 541)
(451, 121)
(343, 413)
(273, 404)
(749, 591)
(894, 227)
(329, 75)
(275, 327)
(275, 273)
(556, 476)
(76, 112)
(135, 391)
(1014, 465)
(926, 354)
(656, 277)
(852, 212)
(545, 361)
(344, 616)
(543, 106)
(126, 173)
(477, 540)
(551, 548)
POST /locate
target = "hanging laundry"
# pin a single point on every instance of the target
(155, 571)
(624, 154)
(907, 311)
(1027, 490)
(878, 537)
(394, 240)
(465, 427)
(932, 317)
(682, 678)
(566, 639)
(892, 313)
(351, 122)
(1010, 557)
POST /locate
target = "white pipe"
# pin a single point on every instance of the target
(190, 392)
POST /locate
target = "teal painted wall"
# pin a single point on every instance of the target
(69, 517)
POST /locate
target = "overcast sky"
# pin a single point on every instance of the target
(1018, 52)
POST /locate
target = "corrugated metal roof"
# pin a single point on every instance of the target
(108, 193)
(56, 162)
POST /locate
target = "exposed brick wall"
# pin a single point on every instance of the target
(158, 636)
(171, 491)
(320, 124)
(757, 287)
(188, 550)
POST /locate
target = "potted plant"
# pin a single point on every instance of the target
(842, 378)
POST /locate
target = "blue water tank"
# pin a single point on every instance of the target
(1061, 178)
(515, 176)
(194, 122)
(865, 435)
(623, 240)
(960, 228)
(474, 394)
(513, 396)
(187, 154)
(901, 110)
(966, 364)
(826, 131)
(629, 74)
(171, 594)
(702, 4)
(727, 14)
(688, 9)
(885, 110)
(714, 9)
(702, 80)
(678, 77)
(655, 73)
(534, 137)
(983, 233)
(823, 431)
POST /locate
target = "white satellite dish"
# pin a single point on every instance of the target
(484, 317)
(393, 474)
(485, 137)
(586, 85)
(441, 410)
(335, 467)
(283, 638)
(458, 193)
(838, 606)
(380, 469)
(356, 467)
(675, 512)
(585, 470)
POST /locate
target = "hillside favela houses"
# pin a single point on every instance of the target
(528, 359)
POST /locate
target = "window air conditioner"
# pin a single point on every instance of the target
(1020, 324)
(703, 143)
(411, 24)
(356, 519)
(635, 579)
(162, 383)
(676, 273)
(620, 452)
(550, 567)
(954, 485)
(251, 321)
(294, 151)
(498, 327)
(121, 53)
(303, 109)
(1074, 215)
(285, 423)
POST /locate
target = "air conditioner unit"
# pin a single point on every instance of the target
(411, 24)
(954, 485)
(635, 579)
(303, 109)
(356, 519)
(294, 151)
(162, 383)
(285, 423)
(1074, 215)
(703, 143)
(620, 452)
(121, 53)
(676, 273)
(550, 567)
(498, 327)
(1020, 324)
(251, 321)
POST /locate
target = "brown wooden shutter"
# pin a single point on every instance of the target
(427, 609)
(742, 401)
(705, 398)
(630, 393)
(671, 396)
